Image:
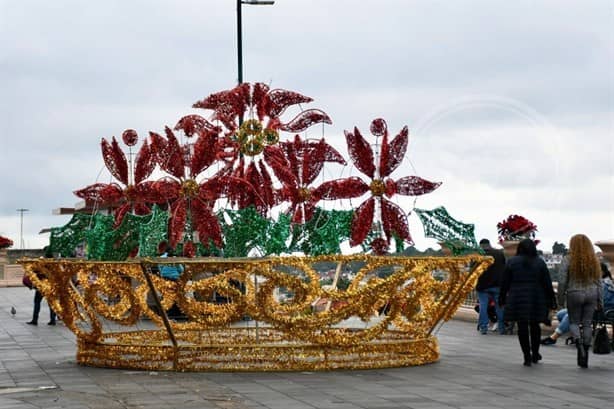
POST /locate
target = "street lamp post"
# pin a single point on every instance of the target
(239, 32)
(21, 212)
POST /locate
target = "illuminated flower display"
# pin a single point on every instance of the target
(5, 242)
(297, 164)
(251, 114)
(182, 191)
(234, 160)
(136, 193)
(516, 227)
(377, 211)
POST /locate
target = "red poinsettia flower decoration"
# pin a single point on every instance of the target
(516, 227)
(261, 108)
(297, 164)
(377, 166)
(133, 193)
(5, 242)
(181, 190)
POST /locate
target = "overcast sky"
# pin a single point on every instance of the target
(509, 104)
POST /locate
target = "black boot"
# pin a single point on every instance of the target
(527, 360)
(581, 352)
(585, 360)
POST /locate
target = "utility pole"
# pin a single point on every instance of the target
(21, 212)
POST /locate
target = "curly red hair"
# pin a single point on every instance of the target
(583, 263)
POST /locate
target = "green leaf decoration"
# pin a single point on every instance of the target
(65, 239)
(439, 225)
(323, 233)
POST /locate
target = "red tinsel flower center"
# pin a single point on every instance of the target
(304, 194)
(378, 187)
(189, 188)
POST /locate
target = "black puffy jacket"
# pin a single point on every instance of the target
(526, 290)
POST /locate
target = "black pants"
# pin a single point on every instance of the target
(38, 297)
(526, 330)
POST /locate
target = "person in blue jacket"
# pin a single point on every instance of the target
(169, 271)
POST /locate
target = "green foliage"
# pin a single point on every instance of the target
(323, 233)
(458, 236)
(559, 248)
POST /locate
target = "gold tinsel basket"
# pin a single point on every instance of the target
(267, 314)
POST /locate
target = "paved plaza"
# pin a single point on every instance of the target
(38, 370)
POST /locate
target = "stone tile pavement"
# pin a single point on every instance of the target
(38, 370)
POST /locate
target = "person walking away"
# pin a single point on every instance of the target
(527, 296)
(582, 289)
(38, 297)
(488, 287)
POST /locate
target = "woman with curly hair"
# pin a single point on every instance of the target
(580, 284)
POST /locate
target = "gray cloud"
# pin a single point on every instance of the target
(513, 98)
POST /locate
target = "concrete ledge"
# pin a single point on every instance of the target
(468, 314)
(12, 275)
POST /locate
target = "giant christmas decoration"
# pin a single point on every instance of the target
(235, 192)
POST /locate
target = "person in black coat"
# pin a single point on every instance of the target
(527, 295)
(488, 286)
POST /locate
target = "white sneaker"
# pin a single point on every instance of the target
(493, 327)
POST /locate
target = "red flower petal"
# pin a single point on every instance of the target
(145, 163)
(360, 152)
(361, 222)
(146, 192)
(189, 250)
(102, 193)
(120, 213)
(176, 223)
(415, 186)
(393, 152)
(306, 119)
(278, 100)
(115, 160)
(259, 99)
(267, 186)
(205, 152)
(173, 162)
(341, 189)
(206, 224)
(167, 189)
(195, 124)
(313, 161)
(275, 158)
(395, 221)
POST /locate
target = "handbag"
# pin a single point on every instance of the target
(601, 342)
(27, 282)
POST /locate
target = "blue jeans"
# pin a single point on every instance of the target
(563, 318)
(483, 297)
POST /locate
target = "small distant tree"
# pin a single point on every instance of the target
(559, 248)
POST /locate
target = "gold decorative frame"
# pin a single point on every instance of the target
(385, 318)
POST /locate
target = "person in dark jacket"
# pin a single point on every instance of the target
(527, 295)
(488, 287)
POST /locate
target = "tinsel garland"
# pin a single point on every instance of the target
(97, 299)
(458, 236)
